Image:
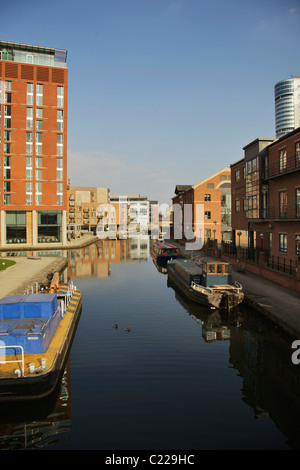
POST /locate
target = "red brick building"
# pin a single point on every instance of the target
(33, 144)
(209, 203)
(266, 198)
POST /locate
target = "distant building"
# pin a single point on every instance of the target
(139, 210)
(209, 201)
(83, 203)
(33, 144)
(287, 105)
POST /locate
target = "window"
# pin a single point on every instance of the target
(282, 204)
(60, 96)
(207, 233)
(38, 174)
(30, 93)
(207, 197)
(39, 162)
(207, 215)
(29, 118)
(6, 167)
(237, 205)
(59, 169)
(282, 160)
(29, 168)
(237, 176)
(297, 153)
(59, 194)
(39, 94)
(210, 185)
(38, 193)
(38, 143)
(283, 242)
(29, 143)
(298, 246)
(49, 226)
(59, 147)
(15, 227)
(298, 203)
(60, 120)
(7, 116)
(29, 193)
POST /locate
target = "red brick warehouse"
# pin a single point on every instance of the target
(33, 144)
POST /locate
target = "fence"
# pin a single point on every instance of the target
(286, 266)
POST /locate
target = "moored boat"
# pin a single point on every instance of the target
(36, 333)
(208, 282)
(163, 252)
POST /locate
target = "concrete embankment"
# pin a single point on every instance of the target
(275, 302)
(29, 270)
(26, 272)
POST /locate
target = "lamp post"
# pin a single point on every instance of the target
(261, 236)
(239, 235)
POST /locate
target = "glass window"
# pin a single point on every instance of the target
(16, 227)
(38, 193)
(38, 143)
(29, 118)
(30, 93)
(283, 242)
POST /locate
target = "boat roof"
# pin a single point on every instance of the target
(190, 266)
(27, 298)
(163, 244)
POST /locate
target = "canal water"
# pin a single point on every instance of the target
(183, 378)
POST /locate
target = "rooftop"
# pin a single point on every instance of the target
(32, 54)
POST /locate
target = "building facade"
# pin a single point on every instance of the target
(83, 204)
(287, 105)
(33, 144)
(203, 210)
(139, 211)
(270, 190)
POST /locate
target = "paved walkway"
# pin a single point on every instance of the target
(27, 271)
(276, 302)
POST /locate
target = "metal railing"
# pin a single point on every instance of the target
(280, 264)
(17, 360)
(282, 166)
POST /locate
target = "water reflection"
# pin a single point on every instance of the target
(257, 351)
(39, 424)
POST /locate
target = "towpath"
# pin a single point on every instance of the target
(277, 303)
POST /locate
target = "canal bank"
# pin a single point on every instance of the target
(33, 269)
(275, 302)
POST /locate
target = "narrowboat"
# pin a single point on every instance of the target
(162, 252)
(36, 333)
(207, 282)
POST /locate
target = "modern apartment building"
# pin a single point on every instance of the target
(83, 204)
(205, 208)
(287, 105)
(139, 210)
(33, 144)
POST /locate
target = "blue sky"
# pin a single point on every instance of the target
(162, 92)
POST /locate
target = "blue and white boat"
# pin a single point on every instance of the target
(207, 282)
(36, 332)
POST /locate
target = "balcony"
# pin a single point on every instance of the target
(282, 167)
(282, 212)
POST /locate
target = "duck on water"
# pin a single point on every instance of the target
(207, 282)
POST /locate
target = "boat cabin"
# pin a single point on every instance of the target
(29, 321)
(216, 273)
(206, 273)
(166, 249)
